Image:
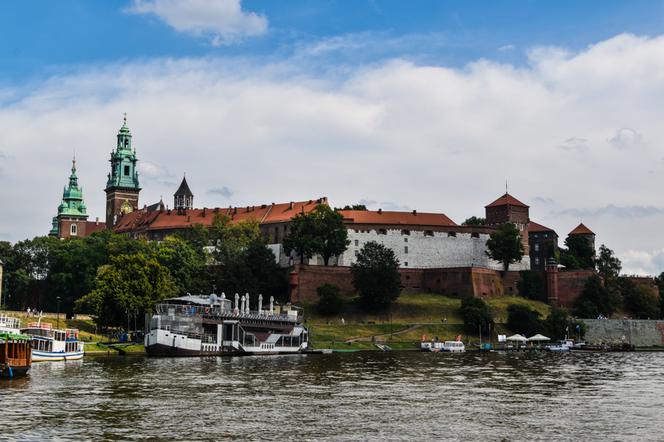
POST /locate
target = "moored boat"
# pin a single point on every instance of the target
(15, 355)
(200, 326)
(49, 344)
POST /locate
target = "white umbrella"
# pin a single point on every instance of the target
(518, 338)
(538, 338)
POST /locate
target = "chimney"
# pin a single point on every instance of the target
(96, 221)
(414, 212)
(290, 206)
(380, 211)
(263, 206)
(204, 211)
(310, 201)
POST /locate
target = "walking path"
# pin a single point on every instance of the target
(376, 337)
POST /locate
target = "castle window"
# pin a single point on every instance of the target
(536, 260)
(451, 234)
(405, 240)
(405, 264)
(405, 232)
(357, 253)
(405, 249)
(474, 235)
(382, 231)
(537, 247)
(73, 230)
(126, 170)
(357, 242)
(428, 233)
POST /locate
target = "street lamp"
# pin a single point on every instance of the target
(57, 300)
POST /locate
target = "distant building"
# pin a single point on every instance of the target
(543, 243)
(122, 186)
(584, 232)
(72, 217)
(183, 199)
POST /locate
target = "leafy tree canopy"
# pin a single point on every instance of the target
(329, 300)
(504, 245)
(376, 276)
(596, 299)
(523, 319)
(474, 221)
(129, 284)
(353, 207)
(639, 299)
(579, 253)
(476, 313)
(321, 231)
(532, 285)
(608, 265)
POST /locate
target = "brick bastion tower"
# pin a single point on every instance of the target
(122, 187)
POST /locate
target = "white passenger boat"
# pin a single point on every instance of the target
(446, 346)
(200, 326)
(560, 347)
(49, 344)
(10, 325)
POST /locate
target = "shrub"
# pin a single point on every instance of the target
(376, 276)
(329, 300)
(523, 319)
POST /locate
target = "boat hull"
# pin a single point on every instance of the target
(44, 356)
(10, 372)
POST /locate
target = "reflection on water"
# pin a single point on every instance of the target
(360, 396)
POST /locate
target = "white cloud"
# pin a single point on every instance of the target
(223, 21)
(626, 138)
(428, 137)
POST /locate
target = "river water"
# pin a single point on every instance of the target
(353, 396)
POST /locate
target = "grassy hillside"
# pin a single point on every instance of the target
(410, 317)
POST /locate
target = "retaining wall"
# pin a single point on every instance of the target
(641, 333)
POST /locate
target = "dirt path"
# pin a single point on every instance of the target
(378, 337)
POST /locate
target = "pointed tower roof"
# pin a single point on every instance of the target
(183, 190)
(581, 229)
(506, 200)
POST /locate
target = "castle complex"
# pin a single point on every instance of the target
(430, 246)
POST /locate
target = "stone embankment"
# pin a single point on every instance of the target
(640, 333)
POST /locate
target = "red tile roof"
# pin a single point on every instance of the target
(172, 219)
(94, 226)
(396, 218)
(581, 230)
(506, 200)
(534, 227)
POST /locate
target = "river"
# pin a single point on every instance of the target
(351, 396)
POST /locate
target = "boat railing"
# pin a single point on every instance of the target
(10, 322)
(215, 311)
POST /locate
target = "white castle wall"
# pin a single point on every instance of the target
(439, 250)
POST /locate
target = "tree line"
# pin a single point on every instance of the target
(114, 277)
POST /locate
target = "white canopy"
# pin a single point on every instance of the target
(538, 338)
(517, 337)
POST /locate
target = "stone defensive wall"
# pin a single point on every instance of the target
(459, 281)
(641, 333)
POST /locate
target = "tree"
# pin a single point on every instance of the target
(376, 276)
(329, 300)
(130, 284)
(185, 263)
(301, 237)
(608, 265)
(531, 285)
(331, 235)
(474, 221)
(640, 300)
(504, 245)
(476, 313)
(353, 207)
(660, 284)
(523, 319)
(557, 324)
(595, 299)
(579, 254)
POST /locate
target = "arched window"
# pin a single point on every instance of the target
(73, 230)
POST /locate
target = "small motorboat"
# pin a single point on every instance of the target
(15, 355)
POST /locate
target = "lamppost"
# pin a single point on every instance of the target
(57, 302)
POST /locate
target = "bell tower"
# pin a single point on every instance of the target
(122, 187)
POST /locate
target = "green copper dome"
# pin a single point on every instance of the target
(72, 204)
(123, 162)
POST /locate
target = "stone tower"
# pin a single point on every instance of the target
(509, 209)
(183, 199)
(122, 187)
(71, 218)
(584, 232)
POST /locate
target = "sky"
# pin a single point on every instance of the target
(427, 105)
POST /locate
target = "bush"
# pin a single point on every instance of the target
(595, 299)
(523, 319)
(638, 299)
(329, 300)
(475, 313)
(531, 285)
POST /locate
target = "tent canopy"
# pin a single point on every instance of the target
(538, 338)
(518, 338)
